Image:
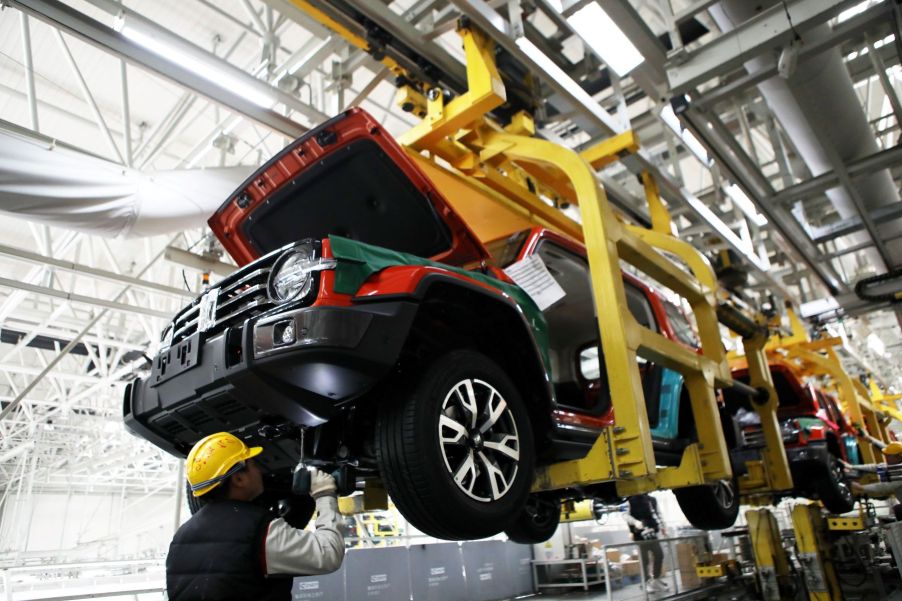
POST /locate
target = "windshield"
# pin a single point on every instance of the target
(505, 250)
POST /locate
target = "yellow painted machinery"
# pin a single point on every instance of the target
(460, 146)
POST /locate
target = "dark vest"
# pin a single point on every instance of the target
(218, 555)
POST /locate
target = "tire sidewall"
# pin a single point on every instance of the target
(429, 395)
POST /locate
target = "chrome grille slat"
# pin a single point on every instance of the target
(260, 302)
(263, 271)
(239, 296)
(187, 326)
(233, 304)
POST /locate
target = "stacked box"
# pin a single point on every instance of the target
(686, 560)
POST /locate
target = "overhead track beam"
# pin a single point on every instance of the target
(843, 32)
(766, 30)
(490, 21)
(67, 19)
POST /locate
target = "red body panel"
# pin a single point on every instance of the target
(353, 125)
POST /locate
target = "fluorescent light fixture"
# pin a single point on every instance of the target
(855, 10)
(689, 140)
(816, 307)
(745, 204)
(557, 74)
(876, 345)
(212, 73)
(603, 36)
(723, 231)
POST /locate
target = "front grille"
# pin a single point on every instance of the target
(754, 436)
(240, 296)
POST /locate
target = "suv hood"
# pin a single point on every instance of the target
(347, 177)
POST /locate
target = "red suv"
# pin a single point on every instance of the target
(367, 314)
(815, 432)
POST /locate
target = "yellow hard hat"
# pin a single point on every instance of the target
(893, 448)
(214, 458)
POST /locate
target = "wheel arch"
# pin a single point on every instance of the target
(464, 315)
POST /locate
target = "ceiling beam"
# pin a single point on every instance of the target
(768, 29)
(65, 18)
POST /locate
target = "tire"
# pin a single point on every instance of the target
(442, 425)
(710, 507)
(832, 489)
(536, 523)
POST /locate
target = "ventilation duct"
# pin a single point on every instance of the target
(818, 108)
(57, 186)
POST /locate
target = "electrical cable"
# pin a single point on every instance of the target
(795, 32)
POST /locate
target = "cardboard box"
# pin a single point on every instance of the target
(613, 554)
(720, 557)
(630, 567)
(686, 561)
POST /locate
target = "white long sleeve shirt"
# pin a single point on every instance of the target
(302, 553)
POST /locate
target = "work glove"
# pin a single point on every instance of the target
(322, 484)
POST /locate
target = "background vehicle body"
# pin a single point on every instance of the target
(368, 313)
(816, 434)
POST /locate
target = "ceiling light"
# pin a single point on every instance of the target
(876, 345)
(603, 36)
(745, 204)
(689, 140)
(212, 73)
(559, 76)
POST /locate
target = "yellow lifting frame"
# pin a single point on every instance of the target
(818, 358)
(827, 364)
(522, 168)
(477, 147)
(813, 548)
(771, 562)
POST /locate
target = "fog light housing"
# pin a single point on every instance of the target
(283, 332)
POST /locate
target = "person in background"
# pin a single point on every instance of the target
(646, 525)
(889, 473)
(233, 548)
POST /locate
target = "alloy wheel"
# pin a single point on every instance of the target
(479, 440)
(724, 493)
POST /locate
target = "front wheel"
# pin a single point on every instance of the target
(710, 506)
(456, 450)
(832, 489)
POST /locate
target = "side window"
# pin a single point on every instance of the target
(683, 330)
(589, 364)
(640, 306)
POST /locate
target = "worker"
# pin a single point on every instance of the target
(233, 548)
(645, 525)
(889, 473)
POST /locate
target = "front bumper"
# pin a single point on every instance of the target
(255, 373)
(811, 453)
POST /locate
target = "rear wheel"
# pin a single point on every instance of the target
(536, 523)
(456, 450)
(832, 489)
(710, 506)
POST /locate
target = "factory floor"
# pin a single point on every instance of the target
(635, 592)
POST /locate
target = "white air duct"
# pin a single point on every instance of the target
(818, 107)
(65, 188)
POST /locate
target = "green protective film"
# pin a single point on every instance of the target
(357, 261)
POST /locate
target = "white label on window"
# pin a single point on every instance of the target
(532, 275)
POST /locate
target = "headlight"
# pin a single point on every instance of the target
(292, 275)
